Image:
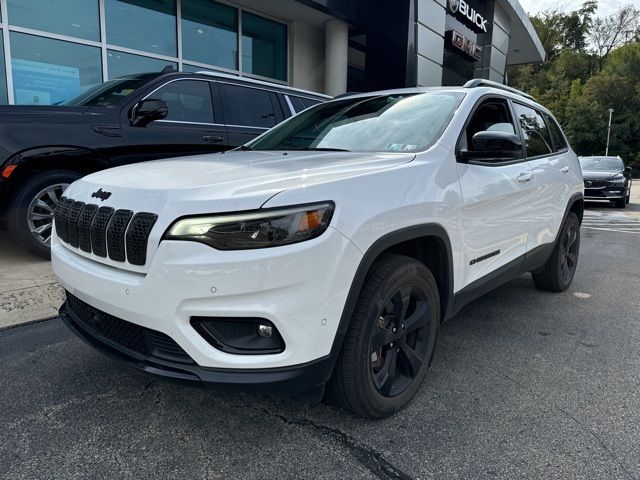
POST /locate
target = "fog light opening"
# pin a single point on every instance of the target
(240, 336)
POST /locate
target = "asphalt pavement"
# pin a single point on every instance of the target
(524, 384)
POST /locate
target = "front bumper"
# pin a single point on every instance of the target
(285, 380)
(301, 289)
(613, 193)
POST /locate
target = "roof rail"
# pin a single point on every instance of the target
(214, 73)
(480, 82)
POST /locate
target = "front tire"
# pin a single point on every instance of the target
(621, 203)
(391, 339)
(557, 274)
(30, 218)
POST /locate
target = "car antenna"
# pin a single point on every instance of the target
(167, 69)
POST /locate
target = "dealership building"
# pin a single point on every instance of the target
(51, 50)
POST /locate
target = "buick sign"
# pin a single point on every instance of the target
(462, 7)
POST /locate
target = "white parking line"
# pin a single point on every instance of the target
(637, 232)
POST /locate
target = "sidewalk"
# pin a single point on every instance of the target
(28, 290)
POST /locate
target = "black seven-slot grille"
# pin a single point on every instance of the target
(103, 231)
(125, 336)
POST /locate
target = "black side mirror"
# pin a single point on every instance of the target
(493, 146)
(147, 111)
(628, 169)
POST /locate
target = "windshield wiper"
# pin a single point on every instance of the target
(243, 148)
(322, 149)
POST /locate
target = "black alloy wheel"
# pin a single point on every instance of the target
(569, 253)
(399, 341)
(391, 338)
(557, 273)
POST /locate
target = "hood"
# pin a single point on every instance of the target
(600, 174)
(225, 182)
(216, 183)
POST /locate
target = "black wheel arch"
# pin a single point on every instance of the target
(53, 157)
(428, 243)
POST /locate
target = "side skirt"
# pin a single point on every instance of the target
(529, 262)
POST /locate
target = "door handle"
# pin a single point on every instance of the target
(212, 138)
(525, 177)
(565, 169)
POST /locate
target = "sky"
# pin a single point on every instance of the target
(605, 7)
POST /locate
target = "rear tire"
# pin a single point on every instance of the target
(390, 341)
(557, 274)
(30, 216)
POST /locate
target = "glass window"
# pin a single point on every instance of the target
(210, 33)
(194, 68)
(49, 72)
(302, 103)
(121, 64)
(601, 164)
(3, 76)
(536, 134)
(310, 103)
(391, 123)
(492, 115)
(559, 141)
(297, 104)
(76, 18)
(148, 25)
(110, 93)
(264, 47)
(250, 106)
(187, 100)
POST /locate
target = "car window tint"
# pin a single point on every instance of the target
(492, 115)
(187, 101)
(307, 102)
(297, 103)
(559, 141)
(536, 134)
(250, 106)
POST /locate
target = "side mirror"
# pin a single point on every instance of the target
(147, 111)
(628, 169)
(493, 146)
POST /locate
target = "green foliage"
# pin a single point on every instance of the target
(580, 86)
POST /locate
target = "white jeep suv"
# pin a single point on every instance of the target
(328, 250)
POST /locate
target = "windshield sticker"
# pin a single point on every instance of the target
(400, 146)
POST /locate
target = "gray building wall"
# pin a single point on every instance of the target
(429, 31)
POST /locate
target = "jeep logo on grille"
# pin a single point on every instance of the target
(101, 194)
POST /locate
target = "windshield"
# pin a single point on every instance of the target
(601, 164)
(109, 93)
(389, 123)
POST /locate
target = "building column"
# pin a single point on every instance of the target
(336, 57)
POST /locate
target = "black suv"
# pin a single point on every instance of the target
(606, 178)
(130, 119)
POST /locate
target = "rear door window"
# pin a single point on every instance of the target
(536, 134)
(251, 107)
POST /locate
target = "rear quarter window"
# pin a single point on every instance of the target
(559, 142)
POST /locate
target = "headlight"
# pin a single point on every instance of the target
(617, 181)
(255, 229)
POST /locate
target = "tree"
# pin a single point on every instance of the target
(593, 64)
(609, 33)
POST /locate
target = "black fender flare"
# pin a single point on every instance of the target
(373, 252)
(44, 152)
